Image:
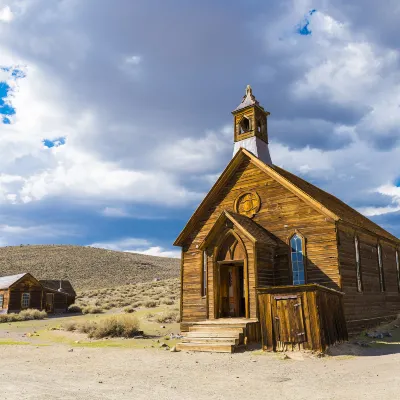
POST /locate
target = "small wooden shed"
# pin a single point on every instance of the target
(19, 292)
(58, 295)
(301, 317)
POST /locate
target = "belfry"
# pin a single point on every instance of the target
(250, 127)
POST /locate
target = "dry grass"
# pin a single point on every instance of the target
(86, 267)
(129, 297)
(168, 317)
(125, 326)
(24, 315)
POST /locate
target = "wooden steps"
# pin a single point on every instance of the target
(223, 337)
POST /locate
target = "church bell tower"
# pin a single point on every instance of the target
(250, 124)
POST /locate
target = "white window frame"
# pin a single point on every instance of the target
(358, 265)
(25, 304)
(380, 268)
(204, 275)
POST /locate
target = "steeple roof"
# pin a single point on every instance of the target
(248, 100)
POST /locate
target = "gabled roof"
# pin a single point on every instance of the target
(325, 203)
(250, 229)
(54, 285)
(7, 281)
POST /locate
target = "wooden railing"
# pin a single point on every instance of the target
(301, 317)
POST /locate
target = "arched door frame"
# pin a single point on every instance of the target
(216, 271)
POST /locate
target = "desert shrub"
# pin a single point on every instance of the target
(74, 308)
(31, 313)
(120, 326)
(24, 315)
(70, 326)
(129, 310)
(150, 315)
(150, 304)
(92, 310)
(168, 302)
(167, 317)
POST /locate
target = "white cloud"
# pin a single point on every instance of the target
(134, 60)
(159, 252)
(137, 245)
(115, 212)
(72, 170)
(13, 234)
(122, 244)
(6, 15)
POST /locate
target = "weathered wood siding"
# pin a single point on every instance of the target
(301, 317)
(5, 294)
(369, 307)
(26, 285)
(265, 265)
(281, 213)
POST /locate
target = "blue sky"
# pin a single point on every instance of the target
(111, 137)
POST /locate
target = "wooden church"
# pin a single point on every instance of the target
(268, 257)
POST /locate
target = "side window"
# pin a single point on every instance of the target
(297, 258)
(25, 300)
(1, 300)
(204, 275)
(380, 268)
(358, 265)
(398, 270)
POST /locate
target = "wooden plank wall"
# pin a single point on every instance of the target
(27, 284)
(265, 265)
(281, 213)
(312, 319)
(371, 305)
(6, 296)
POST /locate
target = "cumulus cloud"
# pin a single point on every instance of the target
(137, 245)
(6, 15)
(109, 119)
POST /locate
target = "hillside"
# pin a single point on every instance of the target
(85, 267)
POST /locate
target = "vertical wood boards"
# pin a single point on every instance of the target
(281, 213)
(301, 317)
(371, 306)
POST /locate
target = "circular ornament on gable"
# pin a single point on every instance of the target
(248, 204)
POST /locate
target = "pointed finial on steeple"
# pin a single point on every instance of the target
(249, 90)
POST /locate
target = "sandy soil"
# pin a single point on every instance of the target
(38, 362)
(45, 372)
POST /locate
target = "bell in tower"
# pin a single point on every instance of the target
(250, 122)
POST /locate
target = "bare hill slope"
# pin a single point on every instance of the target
(85, 267)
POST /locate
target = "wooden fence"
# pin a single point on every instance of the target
(301, 317)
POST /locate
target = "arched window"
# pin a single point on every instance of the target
(245, 125)
(380, 268)
(297, 257)
(358, 265)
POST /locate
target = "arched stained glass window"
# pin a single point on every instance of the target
(297, 256)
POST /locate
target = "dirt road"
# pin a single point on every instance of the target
(53, 372)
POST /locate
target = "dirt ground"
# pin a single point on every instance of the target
(107, 373)
(51, 364)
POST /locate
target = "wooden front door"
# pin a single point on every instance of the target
(49, 302)
(289, 320)
(231, 291)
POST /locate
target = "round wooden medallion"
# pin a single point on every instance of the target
(248, 204)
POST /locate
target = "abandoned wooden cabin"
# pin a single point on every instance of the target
(58, 295)
(23, 291)
(20, 292)
(257, 242)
